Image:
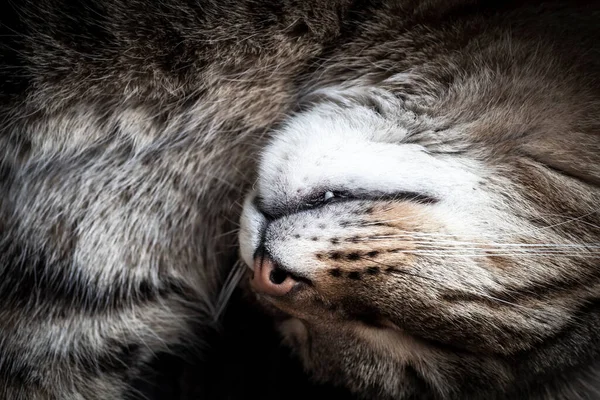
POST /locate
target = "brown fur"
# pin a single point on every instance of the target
(130, 131)
(407, 304)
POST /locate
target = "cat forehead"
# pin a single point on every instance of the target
(322, 144)
(361, 152)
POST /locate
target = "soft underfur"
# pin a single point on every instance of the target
(130, 131)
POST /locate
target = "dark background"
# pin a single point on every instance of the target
(244, 360)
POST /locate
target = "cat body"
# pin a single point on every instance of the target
(131, 132)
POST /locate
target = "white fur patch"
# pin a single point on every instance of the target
(331, 148)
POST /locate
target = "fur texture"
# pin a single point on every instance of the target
(130, 130)
(436, 200)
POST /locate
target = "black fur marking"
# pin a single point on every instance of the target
(354, 275)
(456, 296)
(299, 29)
(336, 255)
(336, 272)
(417, 381)
(353, 256)
(373, 270)
(39, 284)
(373, 253)
(18, 373)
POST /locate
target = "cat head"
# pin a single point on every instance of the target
(413, 255)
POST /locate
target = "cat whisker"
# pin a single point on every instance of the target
(483, 245)
(233, 279)
(471, 290)
(228, 233)
(402, 272)
(446, 253)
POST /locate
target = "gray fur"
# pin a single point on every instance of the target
(512, 97)
(130, 131)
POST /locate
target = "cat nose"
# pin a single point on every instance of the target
(269, 278)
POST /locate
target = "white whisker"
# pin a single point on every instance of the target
(471, 290)
(233, 279)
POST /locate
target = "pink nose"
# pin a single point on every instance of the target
(269, 279)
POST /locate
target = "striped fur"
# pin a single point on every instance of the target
(130, 131)
(437, 198)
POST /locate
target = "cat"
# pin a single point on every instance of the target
(131, 131)
(427, 224)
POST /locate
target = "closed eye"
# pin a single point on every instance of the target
(325, 197)
(336, 196)
(331, 196)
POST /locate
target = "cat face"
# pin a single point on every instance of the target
(414, 262)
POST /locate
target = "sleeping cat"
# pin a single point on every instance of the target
(427, 225)
(428, 215)
(128, 134)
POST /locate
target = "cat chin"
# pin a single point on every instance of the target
(390, 341)
(410, 356)
(387, 343)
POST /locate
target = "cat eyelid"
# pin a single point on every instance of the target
(322, 198)
(325, 197)
(332, 195)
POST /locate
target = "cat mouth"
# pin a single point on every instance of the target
(292, 296)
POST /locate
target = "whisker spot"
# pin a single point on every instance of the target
(373, 270)
(354, 275)
(335, 272)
